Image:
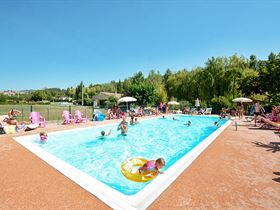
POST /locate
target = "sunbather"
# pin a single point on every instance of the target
(274, 113)
(11, 119)
(265, 120)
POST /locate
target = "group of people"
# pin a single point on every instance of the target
(123, 126)
(115, 113)
(11, 119)
(138, 112)
(259, 114)
(151, 166)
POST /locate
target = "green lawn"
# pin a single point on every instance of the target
(50, 112)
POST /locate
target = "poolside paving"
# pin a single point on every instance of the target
(239, 170)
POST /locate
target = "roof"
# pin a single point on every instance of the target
(106, 95)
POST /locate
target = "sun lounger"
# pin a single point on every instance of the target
(79, 117)
(208, 111)
(36, 118)
(9, 129)
(194, 111)
(249, 118)
(67, 117)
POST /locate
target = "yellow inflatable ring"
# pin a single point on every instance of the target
(130, 171)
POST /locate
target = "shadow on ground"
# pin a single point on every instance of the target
(261, 128)
(276, 179)
(272, 146)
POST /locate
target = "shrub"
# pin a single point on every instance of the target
(218, 103)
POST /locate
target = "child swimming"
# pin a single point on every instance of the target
(103, 133)
(153, 165)
(217, 124)
(132, 122)
(43, 136)
(189, 123)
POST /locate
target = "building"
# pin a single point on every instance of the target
(8, 92)
(100, 98)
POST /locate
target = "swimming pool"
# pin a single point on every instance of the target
(94, 162)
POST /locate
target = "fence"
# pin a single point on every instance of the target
(49, 112)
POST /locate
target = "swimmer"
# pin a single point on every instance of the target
(174, 118)
(103, 133)
(124, 129)
(163, 116)
(43, 136)
(217, 124)
(136, 121)
(189, 123)
(123, 126)
(132, 122)
(153, 165)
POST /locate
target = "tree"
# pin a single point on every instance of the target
(168, 82)
(269, 77)
(235, 69)
(144, 93)
(79, 92)
(253, 62)
(138, 78)
(112, 101)
(248, 83)
(39, 95)
(3, 98)
(156, 80)
(119, 87)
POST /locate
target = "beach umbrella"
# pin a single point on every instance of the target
(173, 103)
(243, 100)
(197, 104)
(126, 100)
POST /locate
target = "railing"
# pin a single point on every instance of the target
(49, 112)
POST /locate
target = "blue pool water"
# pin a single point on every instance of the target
(151, 139)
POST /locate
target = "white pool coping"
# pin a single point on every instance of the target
(110, 196)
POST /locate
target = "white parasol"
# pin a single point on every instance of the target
(126, 100)
(197, 104)
(173, 103)
(243, 100)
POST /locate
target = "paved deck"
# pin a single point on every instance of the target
(239, 170)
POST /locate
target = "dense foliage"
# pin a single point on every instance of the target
(215, 84)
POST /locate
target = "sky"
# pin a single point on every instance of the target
(58, 43)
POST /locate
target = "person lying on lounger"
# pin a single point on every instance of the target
(265, 120)
(11, 119)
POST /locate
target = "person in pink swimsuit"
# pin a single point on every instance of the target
(43, 136)
(153, 165)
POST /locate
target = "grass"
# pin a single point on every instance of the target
(50, 112)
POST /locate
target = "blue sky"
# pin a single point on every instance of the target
(59, 43)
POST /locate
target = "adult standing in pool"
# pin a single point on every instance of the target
(123, 126)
